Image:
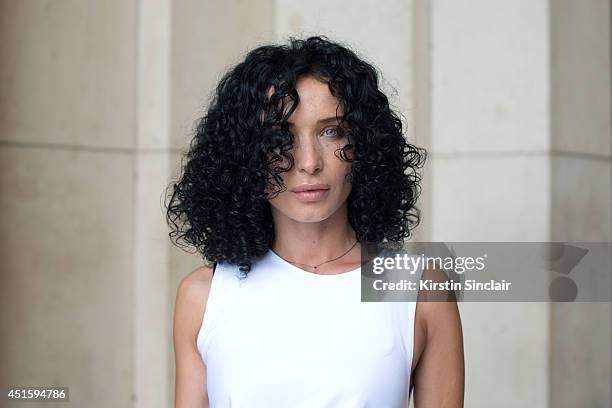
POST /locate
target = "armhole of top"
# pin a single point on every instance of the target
(210, 311)
(410, 352)
(413, 312)
(413, 334)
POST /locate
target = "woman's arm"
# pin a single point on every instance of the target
(440, 374)
(191, 296)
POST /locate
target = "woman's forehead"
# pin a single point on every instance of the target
(315, 100)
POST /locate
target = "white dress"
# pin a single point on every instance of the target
(285, 337)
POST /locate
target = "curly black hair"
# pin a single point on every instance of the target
(219, 204)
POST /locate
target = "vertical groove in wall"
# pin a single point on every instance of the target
(167, 265)
(152, 338)
(552, 123)
(422, 103)
(134, 277)
(274, 36)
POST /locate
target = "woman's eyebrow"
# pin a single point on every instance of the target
(331, 119)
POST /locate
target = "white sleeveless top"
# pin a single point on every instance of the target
(285, 337)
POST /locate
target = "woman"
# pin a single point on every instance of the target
(297, 163)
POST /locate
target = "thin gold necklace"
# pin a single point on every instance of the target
(316, 266)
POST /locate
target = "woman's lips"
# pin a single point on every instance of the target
(310, 196)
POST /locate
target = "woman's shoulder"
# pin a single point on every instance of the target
(191, 298)
(437, 318)
(195, 286)
(196, 281)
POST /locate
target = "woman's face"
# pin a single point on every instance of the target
(317, 170)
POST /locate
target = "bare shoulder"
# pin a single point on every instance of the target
(440, 349)
(191, 297)
(437, 310)
(196, 280)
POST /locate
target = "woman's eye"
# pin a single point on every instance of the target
(330, 132)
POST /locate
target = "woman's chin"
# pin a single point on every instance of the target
(309, 215)
(310, 218)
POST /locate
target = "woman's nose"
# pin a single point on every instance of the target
(308, 155)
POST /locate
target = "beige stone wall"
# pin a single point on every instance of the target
(517, 117)
(487, 127)
(581, 184)
(99, 99)
(67, 197)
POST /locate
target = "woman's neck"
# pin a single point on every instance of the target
(315, 242)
